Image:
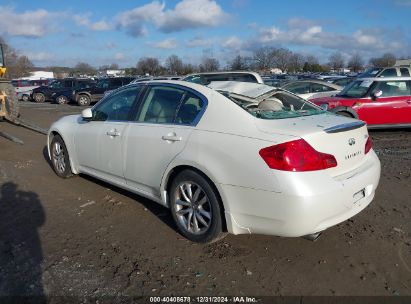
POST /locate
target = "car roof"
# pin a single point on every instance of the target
(385, 79)
(332, 85)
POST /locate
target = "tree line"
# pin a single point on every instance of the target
(262, 60)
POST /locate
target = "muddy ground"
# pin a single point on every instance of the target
(82, 237)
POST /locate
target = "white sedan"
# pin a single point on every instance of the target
(240, 157)
(311, 88)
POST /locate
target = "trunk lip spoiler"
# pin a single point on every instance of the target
(345, 127)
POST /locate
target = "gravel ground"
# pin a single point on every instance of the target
(83, 237)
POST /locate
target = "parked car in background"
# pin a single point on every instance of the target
(44, 93)
(24, 87)
(245, 158)
(342, 82)
(68, 95)
(206, 78)
(24, 95)
(85, 97)
(387, 72)
(141, 79)
(382, 102)
(311, 88)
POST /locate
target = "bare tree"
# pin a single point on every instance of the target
(83, 68)
(17, 65)
(188, 68)
(386, 60)
(148, 65)
(209, 64)
(296, 62)
(281, 58)
(356, 63)
(174, 65)
(336, 61)
(263, 58)
(239, 63)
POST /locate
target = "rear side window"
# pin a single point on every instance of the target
(316, 87)
(405, 72)
(160, 105)
(189, 109)
(298, 88)
(393, 88)
(389, 73)
(68, 83)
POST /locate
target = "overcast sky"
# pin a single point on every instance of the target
(54, 32)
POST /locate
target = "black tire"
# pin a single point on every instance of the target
(60, 159)
(39, 97)
(62, 99)
(12, 104)
(83, 100)
(25, 98)
(204, 207)
(344, 113)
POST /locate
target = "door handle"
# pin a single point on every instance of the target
(172, 137)
(113, 133)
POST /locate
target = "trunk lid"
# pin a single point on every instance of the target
(342, 137)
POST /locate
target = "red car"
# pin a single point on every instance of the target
(380, 102)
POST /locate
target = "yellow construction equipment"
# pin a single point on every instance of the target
(9, 106)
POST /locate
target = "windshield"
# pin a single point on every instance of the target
(370, 73)
(356, 89)
(56, 84)
(275, 105)
(102, 83)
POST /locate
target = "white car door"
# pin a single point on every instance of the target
(164, 122)
(99, 142)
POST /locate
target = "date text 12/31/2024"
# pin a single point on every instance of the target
(200, 299)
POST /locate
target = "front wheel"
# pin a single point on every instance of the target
(62, 99)
(195, 208)
(39, 97)
(83, 100)
(60, 157)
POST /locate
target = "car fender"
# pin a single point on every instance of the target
(345, 109)
(64, 129)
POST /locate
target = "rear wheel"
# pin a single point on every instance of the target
(12, 105)
(60, 157)
(195, 208)
(83, 100)
(39, 97)
(62, 99)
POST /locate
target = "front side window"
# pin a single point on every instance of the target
(116, 107)
(102, 84)
(356, 89)
(56, 84)
(392, 88)
(389, 73)
(405, 72)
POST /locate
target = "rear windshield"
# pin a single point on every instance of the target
(275, 105)
(356, 89)
(370, 73)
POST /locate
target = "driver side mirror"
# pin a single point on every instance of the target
(375, 95)
(87, 114)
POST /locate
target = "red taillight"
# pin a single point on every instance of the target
(368, 145)
(298, 156)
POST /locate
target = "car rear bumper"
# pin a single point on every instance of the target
(310, 202)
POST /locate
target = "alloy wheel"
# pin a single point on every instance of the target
(59, 158)
(193, 208)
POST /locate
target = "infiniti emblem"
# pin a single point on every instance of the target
(351, 141)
